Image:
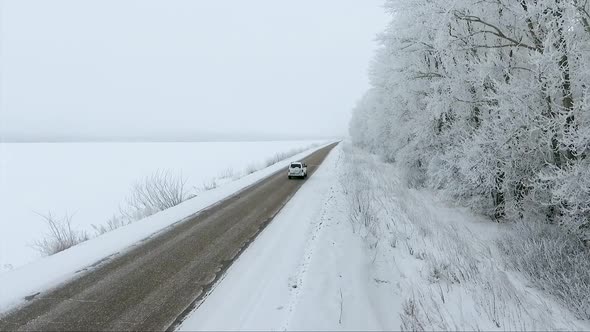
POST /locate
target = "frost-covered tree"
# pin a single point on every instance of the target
(487, 100)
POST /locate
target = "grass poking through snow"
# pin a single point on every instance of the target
(452, 278)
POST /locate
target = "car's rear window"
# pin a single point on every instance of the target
(295, 165)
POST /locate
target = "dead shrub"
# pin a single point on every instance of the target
(61, 235)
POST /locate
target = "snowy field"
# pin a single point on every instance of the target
(91, 180)
(355, 249)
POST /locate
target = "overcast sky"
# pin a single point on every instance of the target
(173, 68)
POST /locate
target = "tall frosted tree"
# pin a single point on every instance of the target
(488, 101)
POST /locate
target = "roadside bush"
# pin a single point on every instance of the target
(279, 156)
(60, 237)
(210, 184)
(555, 260)
(227, 173)
(157, 192)
(412, 316)
(113, 223)
(251, 168)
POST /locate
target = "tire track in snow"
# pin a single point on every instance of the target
(297, 281)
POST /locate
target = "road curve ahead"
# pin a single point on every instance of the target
(151, 286)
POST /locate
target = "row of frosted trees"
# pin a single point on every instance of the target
(488, 100)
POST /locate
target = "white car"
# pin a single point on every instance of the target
(297, 169)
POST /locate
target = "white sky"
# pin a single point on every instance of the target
(155, 68)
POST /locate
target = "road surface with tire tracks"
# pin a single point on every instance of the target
(153, 285)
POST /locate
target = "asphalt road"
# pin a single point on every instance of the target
(155, 284)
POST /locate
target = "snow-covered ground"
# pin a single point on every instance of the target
(91, 180)
(355, 249)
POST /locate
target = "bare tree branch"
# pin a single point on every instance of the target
(494, 30)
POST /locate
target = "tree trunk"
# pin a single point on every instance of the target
(499, 199)
(567, 101)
